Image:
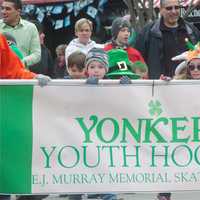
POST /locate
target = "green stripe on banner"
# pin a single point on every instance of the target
(15, 138)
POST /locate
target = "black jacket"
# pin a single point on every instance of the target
(152, 46)
(45, 66)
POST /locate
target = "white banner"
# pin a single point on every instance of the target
(116, 138)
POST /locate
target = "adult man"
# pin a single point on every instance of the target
(161, 40)
(24, 32)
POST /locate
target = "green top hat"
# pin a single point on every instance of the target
(120, 65)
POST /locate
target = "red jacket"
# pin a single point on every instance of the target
(10, 65)
(133, 54)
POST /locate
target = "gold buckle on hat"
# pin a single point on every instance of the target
(122, 65)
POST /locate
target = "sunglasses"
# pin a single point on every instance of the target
(192, 67)
(170, 8)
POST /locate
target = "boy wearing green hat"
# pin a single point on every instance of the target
(140, 69)
(120, 66)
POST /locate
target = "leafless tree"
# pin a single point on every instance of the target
(191, 7)
(141, 12)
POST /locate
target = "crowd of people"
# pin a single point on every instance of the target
(23, 54)
(151, 57)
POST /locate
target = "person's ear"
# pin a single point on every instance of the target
(19, 10)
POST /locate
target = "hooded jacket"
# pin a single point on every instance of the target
(75, 45)
(133, 54)
(10, 65)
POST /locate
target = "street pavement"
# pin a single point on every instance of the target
(140, 196)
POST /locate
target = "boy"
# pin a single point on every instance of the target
(96, 64)
(83, 42)
(60, 64)
(99, 65)
(140, 69)
(76, 68)
(121, 30)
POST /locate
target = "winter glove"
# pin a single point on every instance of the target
(92, 80)
(42, 79)
(125, 80)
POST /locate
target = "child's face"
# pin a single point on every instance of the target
(194, 68)
(96, 69)
(42, 36)
(60, 56)
(143, 74)
(76, 73)
(84, 33)
(123, 35)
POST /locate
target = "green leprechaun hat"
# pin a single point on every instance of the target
(120, 65)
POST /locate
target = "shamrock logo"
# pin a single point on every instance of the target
(155, 108)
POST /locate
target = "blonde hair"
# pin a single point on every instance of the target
(182, 75)
(80, 23)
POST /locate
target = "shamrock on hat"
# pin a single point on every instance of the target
(120, 65)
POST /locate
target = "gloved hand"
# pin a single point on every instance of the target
(125, 80)
(92, 80)
(42, 79)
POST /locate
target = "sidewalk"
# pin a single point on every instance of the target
(139, 196)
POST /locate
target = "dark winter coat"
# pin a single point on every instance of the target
(158, 51)
(46, 65)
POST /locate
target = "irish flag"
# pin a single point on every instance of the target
(15, 138)
(106, 138)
